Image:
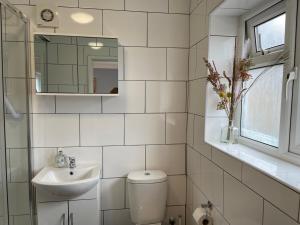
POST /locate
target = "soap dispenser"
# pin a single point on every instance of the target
(60, 159)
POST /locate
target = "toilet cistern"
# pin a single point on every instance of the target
(147, 190)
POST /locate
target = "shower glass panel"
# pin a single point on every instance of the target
(15, 203)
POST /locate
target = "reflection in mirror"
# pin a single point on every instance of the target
(76, 65)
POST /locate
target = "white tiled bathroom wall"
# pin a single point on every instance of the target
(240, 194)
(143, 128)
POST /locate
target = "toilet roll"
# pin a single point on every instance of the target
(201, 217)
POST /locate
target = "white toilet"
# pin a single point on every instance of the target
(147, 192)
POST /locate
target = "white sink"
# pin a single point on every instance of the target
(67, 182)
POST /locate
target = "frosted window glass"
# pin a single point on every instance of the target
(272, 32)
(261, 107)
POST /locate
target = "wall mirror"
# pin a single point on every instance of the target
(76, 65)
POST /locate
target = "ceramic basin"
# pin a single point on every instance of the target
(67, 182)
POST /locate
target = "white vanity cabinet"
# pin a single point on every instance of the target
(53, 213)
(79, 212)
(83, 212)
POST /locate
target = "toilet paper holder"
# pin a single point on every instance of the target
(208, 207)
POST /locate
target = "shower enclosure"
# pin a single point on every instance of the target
(15, 171)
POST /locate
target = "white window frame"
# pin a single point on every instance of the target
(268, 59)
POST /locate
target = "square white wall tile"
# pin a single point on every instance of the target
(199, 143)
(194, 4)
(52, 130)
(272, 216)
(168, 30)
(15, 130)
(241, 205)
(144, 129)
(175, 212)
(197, 92)
(198, 23)
(212, 4)
(77, 104)
(212, 182)
(222, 50)
(18, 165)
(112, 193)
(199, 199)
(199, 132)
(177, 190)
(176, 128)
(145, 63)
(115, 217)
(190, 129)
(165, 96)
(16, 93)
(18, 197)
(85, 155)
(43, 157)
(281, 196)
(227, 163)
(25, 2)
(145, 5)
(69, 26)
(179, 6)
(194, 166)
(102, 4)
(192, 62)
(43, 104)
(169, 158)
(67, 3)
(202, 52)
(177, 63)
(189, 193)
(130, 100)
(118, 161)
(129, 27)
(224, 25)
(98, 129)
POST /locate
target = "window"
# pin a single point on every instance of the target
(265, 112)
(270, 34)
(261, 107)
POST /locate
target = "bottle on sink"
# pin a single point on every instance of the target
(60, 159)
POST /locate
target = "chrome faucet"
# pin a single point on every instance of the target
(72, 162)
(64, 161)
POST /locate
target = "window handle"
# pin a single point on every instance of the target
(291, 77)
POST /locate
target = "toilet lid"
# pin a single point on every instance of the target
(147, 177)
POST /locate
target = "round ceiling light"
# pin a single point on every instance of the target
(82, 18)
(95, 45)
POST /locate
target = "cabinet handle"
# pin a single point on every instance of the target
(64, 218)
(71, 219)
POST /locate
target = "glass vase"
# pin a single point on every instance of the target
(229, 134)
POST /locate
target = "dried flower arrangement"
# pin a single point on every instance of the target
(229, 89)
(232, 89)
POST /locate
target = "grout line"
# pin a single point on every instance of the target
(79, 127)
(145, 104)
(145, 167)
(124, 136)
(165, 128)
(166, 63)
(102, 21)
(147, 38)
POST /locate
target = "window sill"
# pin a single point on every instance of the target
(284, 172)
